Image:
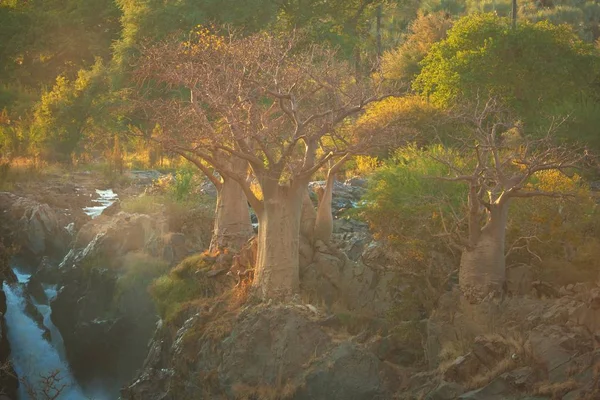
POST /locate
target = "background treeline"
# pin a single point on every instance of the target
(65, 84)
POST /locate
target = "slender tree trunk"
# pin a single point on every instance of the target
(232, 227)
(514, 14)
(309, 216)
(482, 266)
(277, 270)
(324, 222)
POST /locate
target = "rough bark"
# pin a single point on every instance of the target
(277, 270)
(309, 217)
(324, 222)
(482, 265)
(233, 226)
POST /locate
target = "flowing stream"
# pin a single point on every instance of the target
(33, 357)
(107, 198)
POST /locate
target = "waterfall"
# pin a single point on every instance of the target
(32, 356)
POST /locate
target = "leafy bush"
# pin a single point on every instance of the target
(182, 189)
(405, 205)
(182, 285)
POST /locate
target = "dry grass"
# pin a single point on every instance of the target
(239, 294)
(452, 350)
(19, 170)
(482, 380)
(555, 390)
(517, 354)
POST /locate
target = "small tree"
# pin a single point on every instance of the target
(504, 167)
(260, 101)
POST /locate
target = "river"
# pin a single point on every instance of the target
(33, 357)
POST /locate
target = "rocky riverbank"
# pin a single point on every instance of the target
(336, 340)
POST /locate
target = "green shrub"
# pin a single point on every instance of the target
(405, 205)
(182, 188)
(182, 285)
(191, 265)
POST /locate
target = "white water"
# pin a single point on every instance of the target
(107, 198)
(46, 311)
(32, 356)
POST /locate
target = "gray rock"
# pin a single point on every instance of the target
(270, 345)
(347, 373)
(446, 391)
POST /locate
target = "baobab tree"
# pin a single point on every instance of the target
(261, 101)
(504, 167)
(232, 226)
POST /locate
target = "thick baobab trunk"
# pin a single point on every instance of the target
(232, 227)
(277, 270)
(482, 266)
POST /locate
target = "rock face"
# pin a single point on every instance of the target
(289, 350)
(279, 351)
(105, 331)
(38, 229)
(517, 346)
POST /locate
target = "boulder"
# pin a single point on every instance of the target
(35, 289)
(113, 209)
(348, 372)
(555, 347)
(269, 346)
(32, 311)
(38, 228)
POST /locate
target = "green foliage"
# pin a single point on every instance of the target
(182, 189)
(398, 120)
(405, 205)
(530, 68)
(185, 283)
(402, 63)
(67, 112)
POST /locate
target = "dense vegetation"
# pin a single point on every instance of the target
(451, 107)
